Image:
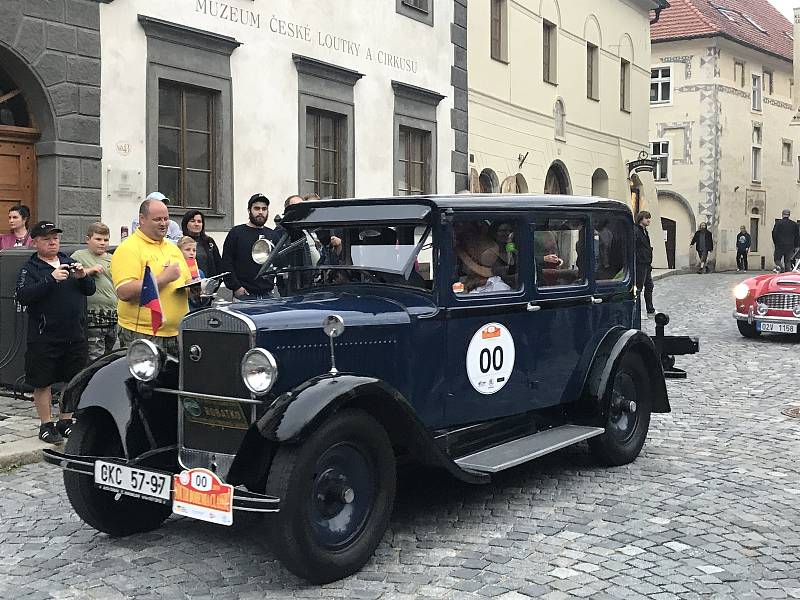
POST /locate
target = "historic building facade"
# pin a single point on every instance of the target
(50, 71)
(210, 101)
(720, 112)
(558, 98)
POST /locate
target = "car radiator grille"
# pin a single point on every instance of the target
(780, 301)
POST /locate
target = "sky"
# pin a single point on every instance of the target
(786, 6)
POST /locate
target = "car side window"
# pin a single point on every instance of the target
(611, 244)
(559, 251)
(486, 256)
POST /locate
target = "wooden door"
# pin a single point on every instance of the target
(17, 171)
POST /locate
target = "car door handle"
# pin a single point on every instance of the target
(533, 307)
(595, 300)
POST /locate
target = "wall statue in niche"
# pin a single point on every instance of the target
(559, 119)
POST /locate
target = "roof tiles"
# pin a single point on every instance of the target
(754, 23)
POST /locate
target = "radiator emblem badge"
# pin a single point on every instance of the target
(214, 322)
(195, 353)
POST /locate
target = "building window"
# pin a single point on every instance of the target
(786, 152)
(660, 85)
(756, 98)
(189, 108)
(624, 85)
(414, 157)
(549, 52)
(419, 10)
(499, 30)
(738, 73)
(592, 69)
(756, 154)
(323, 170)
(186, 145)
(660, 153)
(559, 120)
(767, 82)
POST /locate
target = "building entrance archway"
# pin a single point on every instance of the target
(17, 156)
(557, 179)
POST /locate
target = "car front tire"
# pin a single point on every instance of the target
(95, 434)
(337, 490)
(748, 330)
(626, 424)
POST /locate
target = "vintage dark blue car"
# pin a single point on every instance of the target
(468, 333)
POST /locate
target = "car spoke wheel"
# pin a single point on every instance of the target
(628, 415)
(95, 434)
(337, 491)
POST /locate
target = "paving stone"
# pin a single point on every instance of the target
(708, 511)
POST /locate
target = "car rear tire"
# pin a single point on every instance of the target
(337, 489)
(95, 434)
(626, 425)
(748, 330)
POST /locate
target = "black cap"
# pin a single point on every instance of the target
(43, 228)
(257, 198)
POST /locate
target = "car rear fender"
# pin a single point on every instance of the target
(295, 415)
(608, 358)
(144, 420)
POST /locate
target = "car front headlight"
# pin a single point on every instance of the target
(259, 371)
(144, 360)
(741, 291)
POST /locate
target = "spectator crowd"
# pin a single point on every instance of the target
(81, 307)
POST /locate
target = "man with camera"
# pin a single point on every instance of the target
(54, 288)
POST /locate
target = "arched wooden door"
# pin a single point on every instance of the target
(17, 156)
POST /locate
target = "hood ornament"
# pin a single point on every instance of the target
(333, 326)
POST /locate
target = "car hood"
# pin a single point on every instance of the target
(308, 310)
(775, 283)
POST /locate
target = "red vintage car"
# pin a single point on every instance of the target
(768, 303)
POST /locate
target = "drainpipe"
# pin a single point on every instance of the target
(664, 4)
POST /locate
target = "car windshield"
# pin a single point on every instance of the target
(396, 255)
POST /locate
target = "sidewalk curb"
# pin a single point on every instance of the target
(23, 452)
(670, 273)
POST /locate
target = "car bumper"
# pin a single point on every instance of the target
(752, 318)
(243, 500)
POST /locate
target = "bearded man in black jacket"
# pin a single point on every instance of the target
(54, 288)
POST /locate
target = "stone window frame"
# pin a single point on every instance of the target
(325, 87)
(193, 57)
(784, 143)
(498, 36)
(416, 108)
(407, 9)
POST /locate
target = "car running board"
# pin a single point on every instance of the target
(524, 449)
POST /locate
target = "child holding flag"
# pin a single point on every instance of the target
(188, 247)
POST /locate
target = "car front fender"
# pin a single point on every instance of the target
(294, 416)
(145, 420)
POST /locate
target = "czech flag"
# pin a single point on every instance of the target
(193, 270)
(149, 299)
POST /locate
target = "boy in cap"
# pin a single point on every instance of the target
(54, 288)
(236, 258)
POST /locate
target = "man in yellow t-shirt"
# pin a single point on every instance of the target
(147, 246)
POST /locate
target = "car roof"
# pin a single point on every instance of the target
(417, 208)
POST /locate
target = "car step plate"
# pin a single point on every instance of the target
(524, 449)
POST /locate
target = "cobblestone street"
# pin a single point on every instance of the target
(711, 509)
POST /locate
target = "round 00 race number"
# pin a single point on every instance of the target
(490, 358)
